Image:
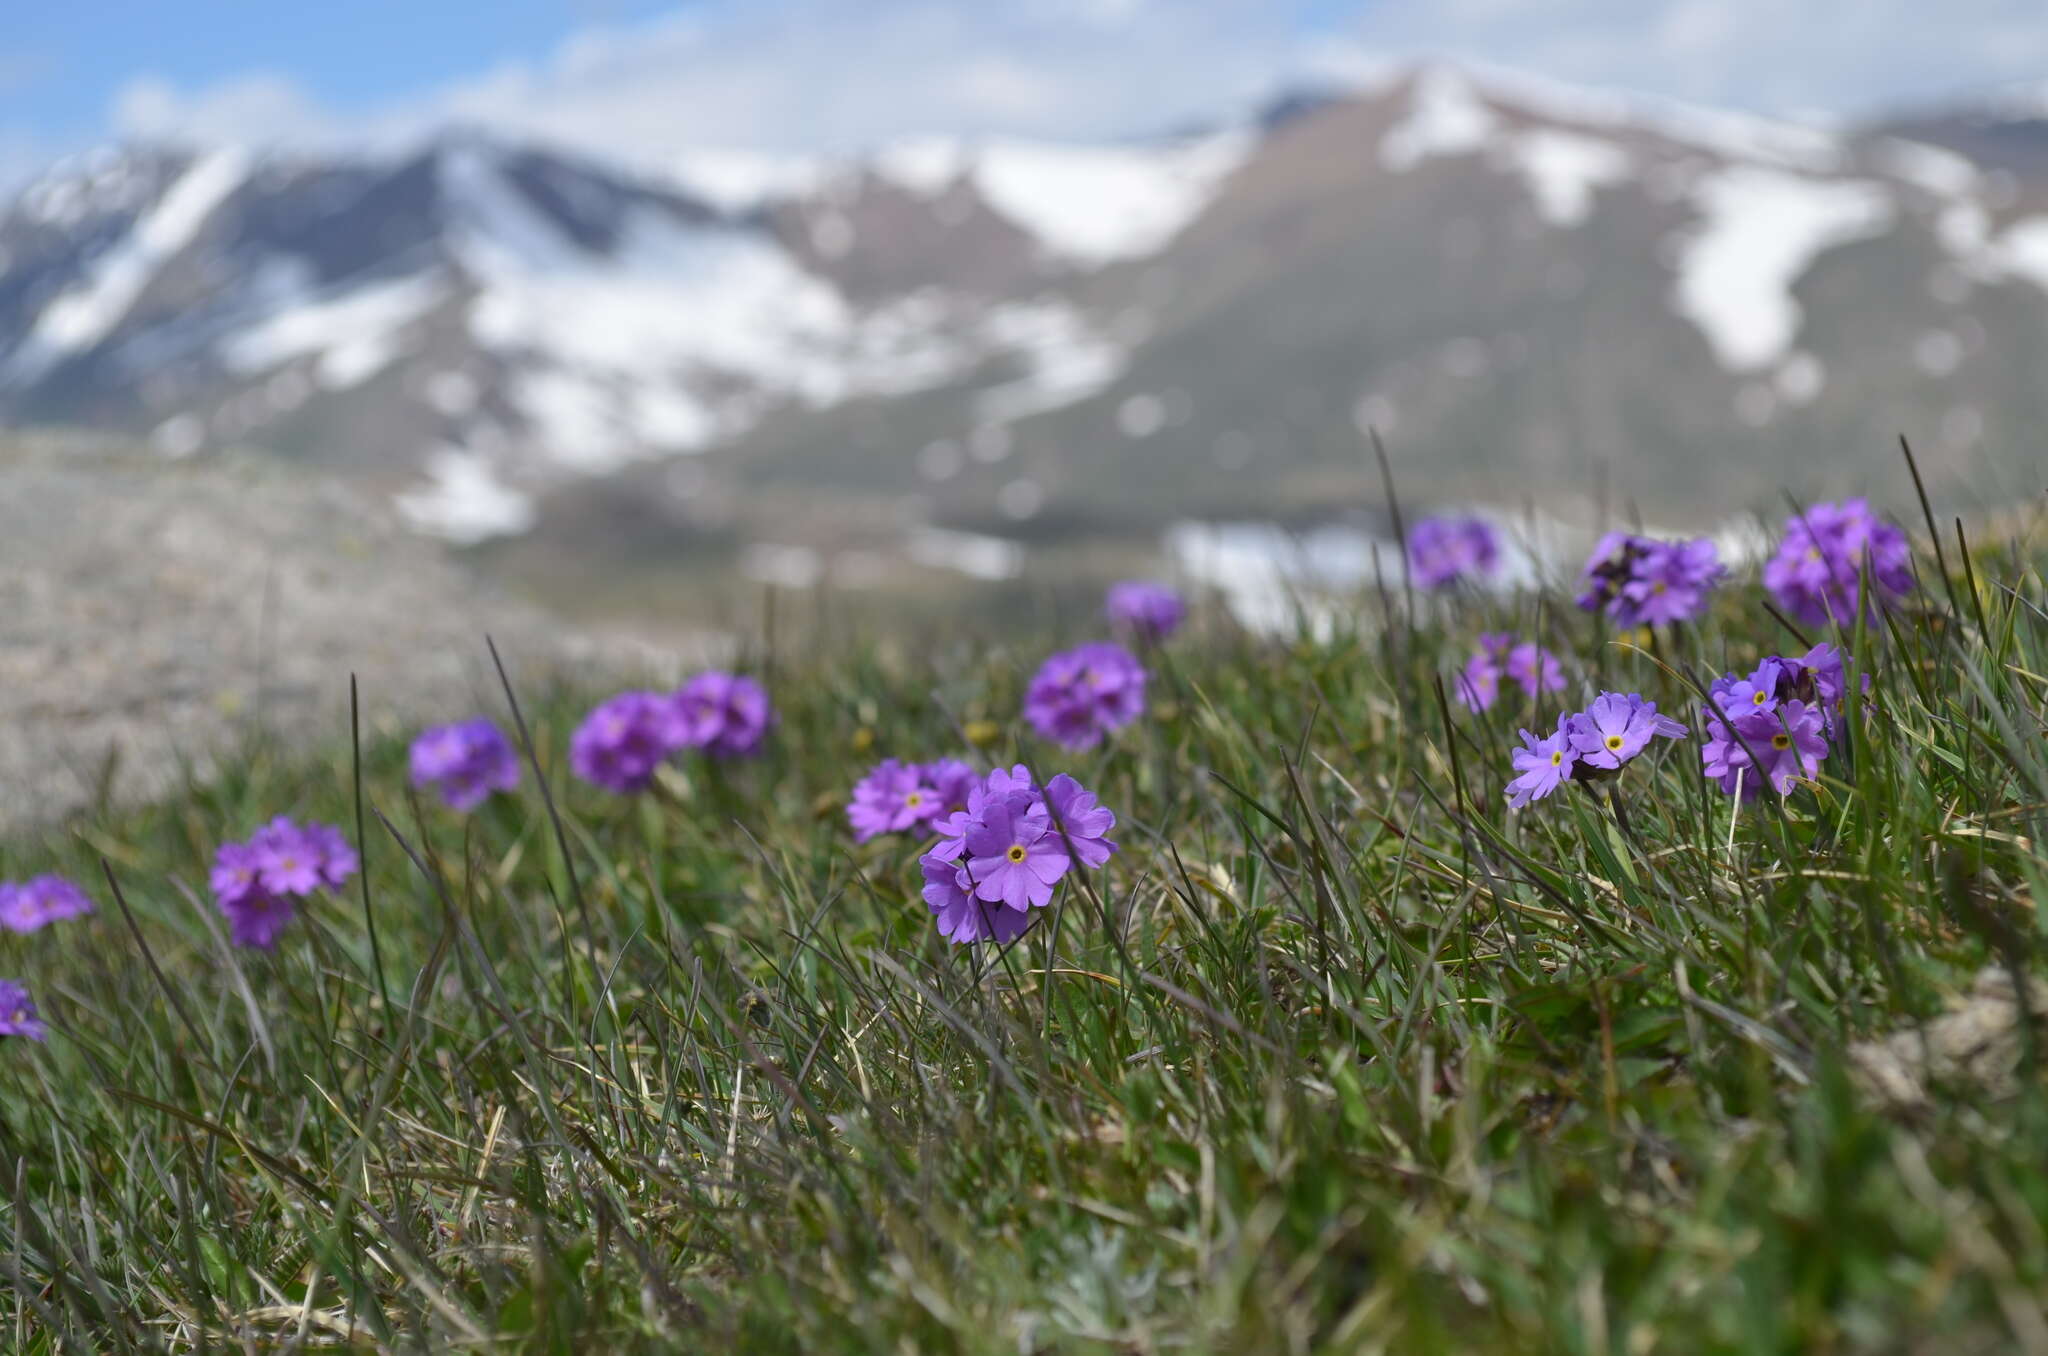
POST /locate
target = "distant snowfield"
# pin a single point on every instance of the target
(81, 317)
(1445, 116)
(1563, 169)
(352, 336)
(1098, 204)
(464, 501)
(1085, 204)
(1759, 232)
(1277, 582)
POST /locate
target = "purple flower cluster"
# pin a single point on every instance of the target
(624, 739)
(1588, 745)
(1817, 573)
(1772, 725)
(1078, 696)
(1445, 550)
(1145, 611)
(257, 883)
(465, 762)
(1639, 581)
(627, 737)
(727, 715)
(897, 797)
(31, 904)
(1000, 857)
(1536, 669)
(18, 1012)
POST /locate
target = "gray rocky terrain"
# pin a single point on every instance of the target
(154, 612)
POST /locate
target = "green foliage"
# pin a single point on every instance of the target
(1336, 1055)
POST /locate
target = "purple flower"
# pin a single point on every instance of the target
(1641, 581)
(237, 873)
(727, 715)
(1734, 696)
(1818, 677)
(338, 861)
(1003, 855)
(256, 883)
(891, 798)
(1446, 550)
(961, 917)
(1817, 572)
(255, 915)
(1617, 727)
(1535, 668)
(1478, 683)
(621, 743)
(18, 1012)
(287, 862)
(1543, 765)
(1607, 569)
(258, 918)
(466, 762)
(1078, 822)
(952, 782)
(45, 899)
(1081, 695)
(1778, 746)
(1146, 611)
(1013, 857)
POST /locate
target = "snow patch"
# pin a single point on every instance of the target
(180, 435)
(926, 166)
(1093, 205)
(1942, 173)
(1760, 231)
(353, 336)
(1067, 361)
(973, 554)
(1734, 136)
(2022, 251)
(1562, 169)
(1445, 117)
(81, 317)
(736, 181)
(464, 501)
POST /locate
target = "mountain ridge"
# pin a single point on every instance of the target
(1527, 289)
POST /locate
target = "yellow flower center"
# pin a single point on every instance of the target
(1759, 697)
(1016, 852)
(1781, 740)
(1659, 587)
(1557, 758)
(914, 799)
(1614, 743)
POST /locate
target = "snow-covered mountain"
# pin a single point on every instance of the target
(1530, 290)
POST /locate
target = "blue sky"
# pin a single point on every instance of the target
(66, 63)
(653, 78)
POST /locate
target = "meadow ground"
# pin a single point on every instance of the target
(1337, 1053)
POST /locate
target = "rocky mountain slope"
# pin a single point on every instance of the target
(1534, 294)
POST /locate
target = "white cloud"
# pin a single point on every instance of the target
(839, 75)
(829, 75)
(261, 107)
(1841, 56)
